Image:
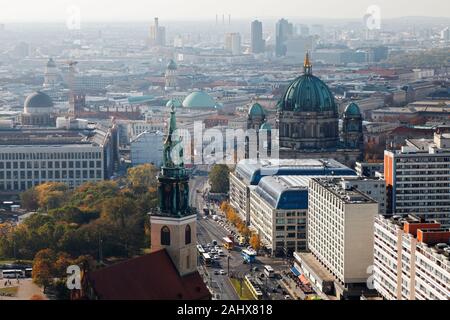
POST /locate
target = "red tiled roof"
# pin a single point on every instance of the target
(150, 277)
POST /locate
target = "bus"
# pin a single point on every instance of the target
(207, 259)
(228, 243)
(200, 249)
(249, 255)
(269, 272)
(12, 274)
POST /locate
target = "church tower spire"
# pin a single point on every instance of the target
(173, 223)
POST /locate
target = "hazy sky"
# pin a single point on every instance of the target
(145, 10)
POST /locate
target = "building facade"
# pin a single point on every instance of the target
(340, 233)
(308, 122)
(411, 258)
(147, 148)
(31, 157)
(417, 177)
(248, 174)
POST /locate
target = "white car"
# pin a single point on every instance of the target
(216, 257)
(220, 253)
(222, 272)
(217, 247)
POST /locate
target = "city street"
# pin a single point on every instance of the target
(233, 263)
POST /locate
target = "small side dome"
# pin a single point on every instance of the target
(352, 110)
(266, 126)
(175, 102)
(172, 65)
(256, 110)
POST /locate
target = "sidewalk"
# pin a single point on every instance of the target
(293, 289)
(26, 290)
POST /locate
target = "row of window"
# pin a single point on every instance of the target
(50, 155)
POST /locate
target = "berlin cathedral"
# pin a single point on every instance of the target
(308, 122)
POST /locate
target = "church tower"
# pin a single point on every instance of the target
(51, 74)
(173, 223)
(352, 127)
(171, 76)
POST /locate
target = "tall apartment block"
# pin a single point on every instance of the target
(411, 258)
(340, 238)
(418, 177)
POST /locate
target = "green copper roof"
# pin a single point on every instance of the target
(308, 93)
(199, 99)
(352, 110)
(172, 65)
(172, 159)
(256, 110)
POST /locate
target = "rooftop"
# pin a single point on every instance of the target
(344, 190)
(253, 170)
(150, 277)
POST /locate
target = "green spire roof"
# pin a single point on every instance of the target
(352, 110)
(171, 159)
(256, 110)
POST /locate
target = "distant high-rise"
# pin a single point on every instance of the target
(258, 43)
(445, 34)
(157, 34)
(284, 31)
(233, 43)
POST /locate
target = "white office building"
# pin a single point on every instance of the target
(340, 236)
(30, 157)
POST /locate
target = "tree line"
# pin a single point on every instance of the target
(97, 220)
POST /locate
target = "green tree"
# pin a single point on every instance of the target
(29, 199)
(43, 267)
(141, 178)
(219, 178)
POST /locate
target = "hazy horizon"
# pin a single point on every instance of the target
(170, 10)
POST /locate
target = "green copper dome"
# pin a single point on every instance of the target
(352, 110)
(256, 110)
(199, 100)
(308, 93)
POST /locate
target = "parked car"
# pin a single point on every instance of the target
(216, 257)
(214, 242)
(222, 272)
(216, 272)
(287, 297)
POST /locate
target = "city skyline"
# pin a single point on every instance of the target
(138, 10)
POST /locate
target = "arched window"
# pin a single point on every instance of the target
(165, 236)
(187, 235)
